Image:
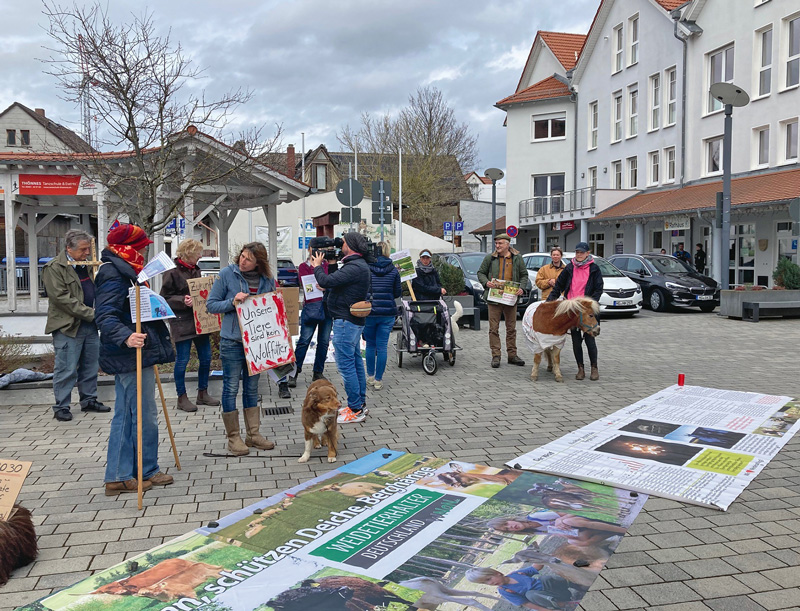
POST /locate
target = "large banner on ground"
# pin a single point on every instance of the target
(688, 443)
(391, 531)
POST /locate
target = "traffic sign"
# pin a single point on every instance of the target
(300, 242)
(447, 228)
(459, 229)
(345, 188)
(448, 237)
(345, 215)
(512, 231)
(376, 188)
(376, 218)
(376, 207)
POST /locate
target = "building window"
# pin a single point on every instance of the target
(548, 191)
(633, 31)
(616, 174)
(616, 117)
(618, 48)
(654, 167)
(633, 172)
(669, 159)
(761, 142)
(549, 128)
(593, 177)
(764, 41)
(793, 53)
(713, 155)
(790, 140)
(655, 102)
(25, 137)
(593, 125)
(319, 176)
(672, 96)
(597, 244)
(633, 112)
(11, 137)
(720, 70)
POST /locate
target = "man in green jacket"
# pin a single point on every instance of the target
(505, 263)
(70, 318)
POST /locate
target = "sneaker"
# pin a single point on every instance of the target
(371, 381)
(95, 406)
(63, 415)
(348, 416)
(160, 479)
(378, 384)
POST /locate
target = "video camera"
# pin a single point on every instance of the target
(331, 248)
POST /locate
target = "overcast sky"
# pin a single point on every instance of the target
(316, 65)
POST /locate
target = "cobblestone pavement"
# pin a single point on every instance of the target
(675, 557)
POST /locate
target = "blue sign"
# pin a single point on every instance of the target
(448, 226)
(794, 244)
(171, 226)
(459, 225)
(300, 242)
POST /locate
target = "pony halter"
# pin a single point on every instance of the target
(586, 328)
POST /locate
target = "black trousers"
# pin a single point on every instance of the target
(579, 336)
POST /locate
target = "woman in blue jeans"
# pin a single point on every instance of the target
(248, 275)
(385, 289)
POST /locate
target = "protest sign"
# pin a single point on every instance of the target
(381, 532)
(506, 293)
(153, 306)
(310, 288)
(12, 474)
(204, 321)
(265, 332)
(405, 266)
(157, 265)
(688, 443)
(291, 298)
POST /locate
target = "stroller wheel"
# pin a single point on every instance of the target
(429, 364)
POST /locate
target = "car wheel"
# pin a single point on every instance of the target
(707, 307)
(658, 300)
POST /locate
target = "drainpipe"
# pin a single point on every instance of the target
(676, 15)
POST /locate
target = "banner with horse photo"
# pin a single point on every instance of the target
(391, 531)
(688, 443)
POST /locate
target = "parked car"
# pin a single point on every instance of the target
(666, 280)
(469, 263)
(621, 295)
(209, 266)
(287, 271)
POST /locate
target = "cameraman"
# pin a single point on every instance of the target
(348, 285)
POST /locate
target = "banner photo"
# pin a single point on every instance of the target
(265, 332)
(204, 321)
(688, 443)
(391, 531)
(152, 305)
(405, 266)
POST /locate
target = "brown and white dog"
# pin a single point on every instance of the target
(320, 409)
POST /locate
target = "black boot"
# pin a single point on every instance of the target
(318, 376)
(293, 381)
(283, 390)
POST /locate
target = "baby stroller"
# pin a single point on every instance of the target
(426, 330)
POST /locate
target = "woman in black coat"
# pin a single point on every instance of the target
(427, 285)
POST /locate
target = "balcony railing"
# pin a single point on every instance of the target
(579, 200)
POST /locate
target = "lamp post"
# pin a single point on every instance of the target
(494, 174)
(730, 95)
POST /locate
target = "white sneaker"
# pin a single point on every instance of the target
(378, 384)
(348, 416)
(371, 380)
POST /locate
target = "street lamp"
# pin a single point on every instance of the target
(494, 174)
(730, 95)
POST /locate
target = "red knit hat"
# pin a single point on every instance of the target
(128, 235)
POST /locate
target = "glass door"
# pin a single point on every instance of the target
(742, 254)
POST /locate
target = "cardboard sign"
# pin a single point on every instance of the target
(204, 321)
(291, 298)
(12, 474)
(265, 332)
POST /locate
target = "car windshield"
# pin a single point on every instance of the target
(607, 269)
(669, 265)
(472, 263)
(204, 265)
(536, 261)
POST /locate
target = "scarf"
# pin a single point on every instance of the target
(128, 254)
(184, 264)
(425, 269)
(586, 261)
(253, 279)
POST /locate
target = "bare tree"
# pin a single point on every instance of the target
(134, 84)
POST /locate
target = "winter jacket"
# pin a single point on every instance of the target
(347, 285)
(113, 318)
(427, 284)
(220, 300)
(174, 288)
(490, 268)
(594, 286)
(385, 287)
(544, 275)
(65, 307)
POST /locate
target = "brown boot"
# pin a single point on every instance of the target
(252, 421)
(235, 444)
(203, 398)
(595, 375)
(581, 373)
(131, 485)
(185, 405)
(160, 479)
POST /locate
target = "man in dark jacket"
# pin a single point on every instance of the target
(70, 318)
(348, 285)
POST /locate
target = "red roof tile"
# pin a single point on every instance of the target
(772, 187)
(566, 47)
(671, 5)
(545, 89)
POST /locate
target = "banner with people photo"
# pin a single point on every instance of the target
(390, 531)
(688, 443)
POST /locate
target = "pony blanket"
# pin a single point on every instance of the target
(539, 342)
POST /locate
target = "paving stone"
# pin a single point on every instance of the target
(788, 577)
(630, 576)
(623, 598)
(756, 582)
(759, 561)
(596, 601)
(670, 572)
(777, 599)
(667, 593)
(714, 587)
(734, 603)
(709, 567)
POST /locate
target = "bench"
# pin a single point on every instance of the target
(753, 310)
(472, 315)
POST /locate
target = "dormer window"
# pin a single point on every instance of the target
(319, 173)
(11, 137)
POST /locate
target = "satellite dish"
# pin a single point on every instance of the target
(728, 93)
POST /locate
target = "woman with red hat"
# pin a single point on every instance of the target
(122, 261)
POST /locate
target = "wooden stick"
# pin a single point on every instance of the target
(140, 490)
(166, 417)
(411, 290)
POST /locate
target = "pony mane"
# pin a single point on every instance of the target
(576, 306)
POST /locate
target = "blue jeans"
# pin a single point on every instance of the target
(121, 462)
(202, 343)
(376, 334)
(76, 363)
(347, 349)
(234, 367)
(323, 328)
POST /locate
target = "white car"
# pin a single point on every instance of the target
(620, 294)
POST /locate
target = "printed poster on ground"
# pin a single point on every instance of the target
(204, 321)
(265, 332)
(391, 531)
(688, 443)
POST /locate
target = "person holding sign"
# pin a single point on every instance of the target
(175, 290)
(122, 261)
(248, 275)
(427, 284)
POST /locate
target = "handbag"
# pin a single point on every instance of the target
(362, 309)
(313, 311)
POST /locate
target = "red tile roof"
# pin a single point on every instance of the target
(566, 47)
(671, 5)
(499, 225)
(484, 179)
(763, 188)
(545, 89)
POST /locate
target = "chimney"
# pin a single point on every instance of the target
(39, 111)
(290, 163)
